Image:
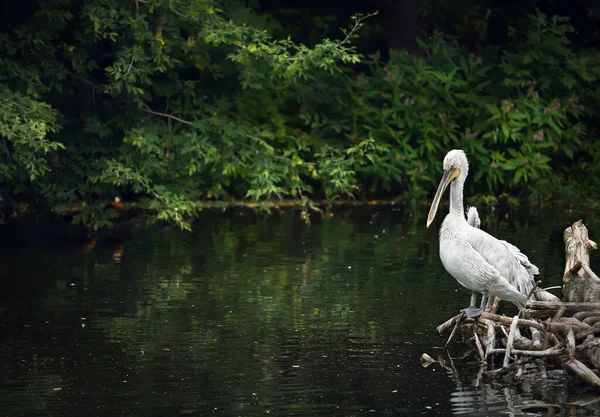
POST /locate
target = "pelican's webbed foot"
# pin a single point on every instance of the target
(472, 312)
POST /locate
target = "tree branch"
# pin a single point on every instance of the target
(170, 116)
(172, 11)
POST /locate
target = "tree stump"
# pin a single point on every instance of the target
(581, 284)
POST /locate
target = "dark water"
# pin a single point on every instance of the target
(254, 315)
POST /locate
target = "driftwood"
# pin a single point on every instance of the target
(562, 333)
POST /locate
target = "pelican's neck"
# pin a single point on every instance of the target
(456, 198)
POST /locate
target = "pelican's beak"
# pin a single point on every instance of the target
(447, 178)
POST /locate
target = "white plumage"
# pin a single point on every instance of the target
(473, 217)
(476, 259)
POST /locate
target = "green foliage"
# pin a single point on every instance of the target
(25, 124)
(167, 104)
(522, 122)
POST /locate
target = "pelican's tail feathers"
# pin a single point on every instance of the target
(542, 295)
(505, 291)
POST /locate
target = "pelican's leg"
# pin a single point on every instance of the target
(473, 299)
(484, 298)
(490, 303)
(473, 311)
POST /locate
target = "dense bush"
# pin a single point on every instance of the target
(167, 105)
(525, 119)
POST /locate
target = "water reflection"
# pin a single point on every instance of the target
(477, 394)
(533, 394)
(251, 315)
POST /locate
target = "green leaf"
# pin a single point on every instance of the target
(506, 130)
(518, 176)
(568, 151)
(569, 82)
(494, 110)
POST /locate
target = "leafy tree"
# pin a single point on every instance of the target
(164, 105)
(168, 101)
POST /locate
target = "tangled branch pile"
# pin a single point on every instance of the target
(559, 334)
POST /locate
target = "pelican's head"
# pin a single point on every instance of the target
(473, 217)
(456, 167)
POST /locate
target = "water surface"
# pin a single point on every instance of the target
(254, 315)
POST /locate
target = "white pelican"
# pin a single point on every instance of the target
(473, 217)
(476, 259)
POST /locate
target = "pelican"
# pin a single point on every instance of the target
(476, 259)
(473, 217)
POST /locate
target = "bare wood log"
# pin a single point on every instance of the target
(495, 305)
(582, 371)
(580, 282)
(508, 321)
(448, 324)
(479, 347)
(524, 343)
(490, 341)
(550, 326)
(503, 330)
(533, 289)
(592, 319)
(538, 353)
(572, 307)
(561, 312)
(453, 332)
(540, 314)
(479, 375)
(589, 271)
(585, 333)
(589, 351)
(588, 344)
(582, 315)
(536, 337)
(570, 339)
(426, 360)
(511, 339)
(573, 322)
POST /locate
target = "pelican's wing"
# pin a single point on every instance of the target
(531, 268)
(506, 258)
(473, 271)
(474, 220)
